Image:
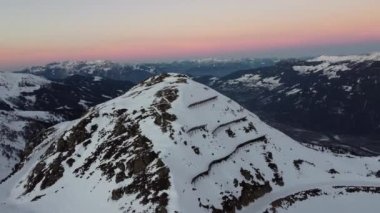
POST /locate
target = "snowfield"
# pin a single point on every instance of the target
(249, 80)
(171, 144)
(328, 69)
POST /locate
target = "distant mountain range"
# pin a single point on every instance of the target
(214, 67)
(174, 145)
(139, 72)
(328, 99)
(104, 69)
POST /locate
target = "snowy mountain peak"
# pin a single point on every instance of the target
(350, 58)
(71, 64)
(171, 144)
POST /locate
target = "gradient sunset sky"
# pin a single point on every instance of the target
(36, 32)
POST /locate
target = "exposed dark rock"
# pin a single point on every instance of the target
(333, 171)
(37, 197)
(35, 177)
(196, 150)
(53, 173)
(377, 174)
(291, 199)
(250, 192)
(230, 133)
(70, 162)
(297, 163)
(277, 179)
(246, 174)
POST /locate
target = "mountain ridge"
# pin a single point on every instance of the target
(140, 71)
(167, 145)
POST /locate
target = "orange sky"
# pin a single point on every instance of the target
(41, 31)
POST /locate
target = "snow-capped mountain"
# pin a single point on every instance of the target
(173, 145)
(102, 68)
(29, 103)
(139, 72)
(333, 95)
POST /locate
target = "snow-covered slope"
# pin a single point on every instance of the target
(14, 90)
(15, 127)
(29, 103)
(332, 66)
(171, 144)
